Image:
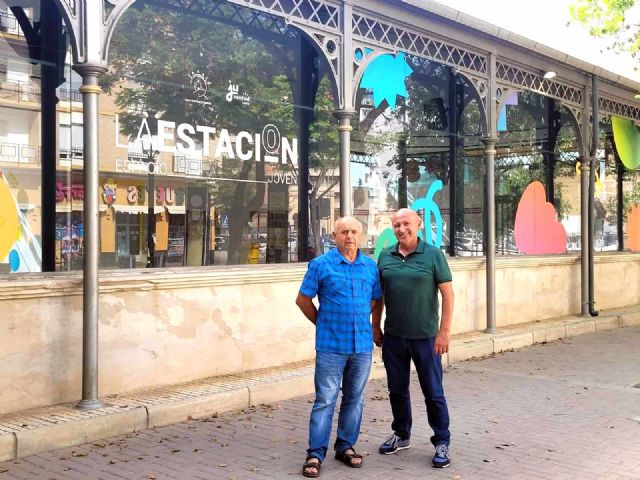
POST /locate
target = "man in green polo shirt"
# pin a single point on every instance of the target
(412, 272)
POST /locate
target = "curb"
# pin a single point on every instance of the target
(28, 433)
(41, 439)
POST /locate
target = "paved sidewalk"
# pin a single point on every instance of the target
(560, 410)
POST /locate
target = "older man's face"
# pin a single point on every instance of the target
(406, 225)
(348, 234)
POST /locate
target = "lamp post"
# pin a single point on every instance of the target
(151, 155)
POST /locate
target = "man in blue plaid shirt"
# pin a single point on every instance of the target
(348, 288)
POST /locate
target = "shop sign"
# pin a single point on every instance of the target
(138, 166)
(282, 178)
(109, 193)
(164, 195)
(268, 146)
(132, 194)
(64, 192)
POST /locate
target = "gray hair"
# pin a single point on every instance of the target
(347, 218)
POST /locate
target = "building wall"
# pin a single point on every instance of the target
(179, 325)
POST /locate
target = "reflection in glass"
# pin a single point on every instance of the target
(423, 154)
(234, 106)
(537, 143)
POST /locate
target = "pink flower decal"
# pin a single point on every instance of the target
(537, 229)
(633, 229)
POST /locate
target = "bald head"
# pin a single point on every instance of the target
(406, 213)
(406, 224)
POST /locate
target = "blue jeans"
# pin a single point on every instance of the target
(397, 354)
(331, 369)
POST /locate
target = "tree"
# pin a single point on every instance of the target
(323, 157)
(152, 54)
(607, 18)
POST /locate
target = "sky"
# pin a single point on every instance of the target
(545, 21)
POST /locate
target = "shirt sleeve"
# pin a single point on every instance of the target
(376, 293)
(441, 270)
(310, 282)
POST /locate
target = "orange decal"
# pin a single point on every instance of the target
(633, 228)
(537, 229)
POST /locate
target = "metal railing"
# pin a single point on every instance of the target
(19, 91)
(72, 153)
(9, 23)
(72, 94)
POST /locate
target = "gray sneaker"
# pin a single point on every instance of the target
(441, 458)
(393, 444)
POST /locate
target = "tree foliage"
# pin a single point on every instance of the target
(608, 18)
(154, 54)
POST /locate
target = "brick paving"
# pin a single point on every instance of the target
(561, 410)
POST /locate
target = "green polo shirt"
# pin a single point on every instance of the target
(410, 287)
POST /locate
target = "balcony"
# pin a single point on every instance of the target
(18, 91)
(188, 166)
(69, 94)
(21, 154)
(9, 23)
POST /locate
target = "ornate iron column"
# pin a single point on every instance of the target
(490, 142)
(90, 24)
(347, 110)
(344, 131)
(584, 204)
(90, 95)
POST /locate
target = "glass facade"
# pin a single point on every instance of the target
(213, 117)
(417, 144)
(210, 121)
(537, 147)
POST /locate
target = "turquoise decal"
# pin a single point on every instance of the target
(430, 208)
(385, 76)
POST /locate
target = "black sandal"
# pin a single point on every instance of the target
(347, 458)
(308, 465)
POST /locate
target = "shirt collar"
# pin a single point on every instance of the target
(419, 249)
(338, 257)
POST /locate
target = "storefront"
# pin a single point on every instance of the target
(226, 134)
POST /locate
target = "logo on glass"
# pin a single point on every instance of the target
(232, 94)
(199, 83)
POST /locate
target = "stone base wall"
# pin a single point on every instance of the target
(168, 327)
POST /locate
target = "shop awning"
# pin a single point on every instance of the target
(136, 209)
(175, 209)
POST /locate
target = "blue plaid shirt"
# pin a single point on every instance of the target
(345, 291)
